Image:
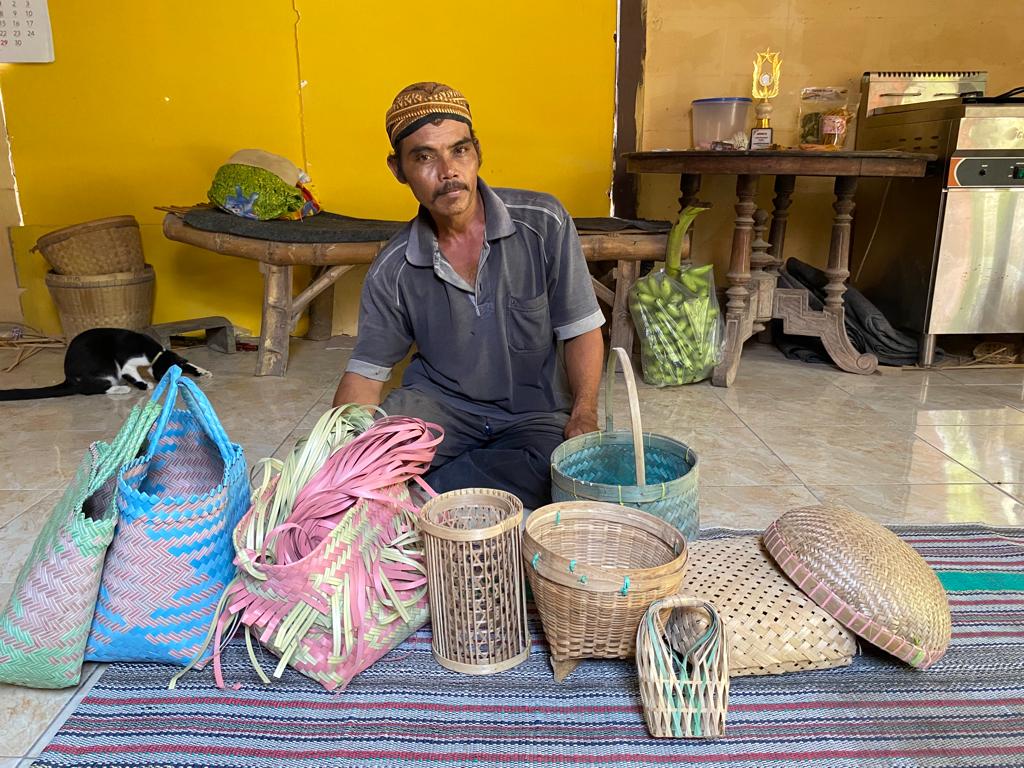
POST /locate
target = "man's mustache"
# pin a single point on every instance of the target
(450, 186)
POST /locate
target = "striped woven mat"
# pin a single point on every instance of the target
(967, 710)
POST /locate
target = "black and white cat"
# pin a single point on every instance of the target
(107, 361)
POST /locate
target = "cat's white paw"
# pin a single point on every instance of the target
(119, 389)
(203, 373)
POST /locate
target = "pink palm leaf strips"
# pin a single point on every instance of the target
(339, 580)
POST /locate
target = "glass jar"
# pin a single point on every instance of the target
(823, 116)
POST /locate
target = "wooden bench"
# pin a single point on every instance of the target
(281, 310)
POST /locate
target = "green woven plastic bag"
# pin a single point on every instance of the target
(45, 625)
(254, 193)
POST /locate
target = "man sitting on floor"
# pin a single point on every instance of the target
(485, 282)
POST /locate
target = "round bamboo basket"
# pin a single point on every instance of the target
(475, 580)
(99, 247)
(865, 576)
(650, 472)
(996, 353)
(118, 300)
(683, 666)
(594, 569)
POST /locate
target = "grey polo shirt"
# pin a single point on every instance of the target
(490, 349)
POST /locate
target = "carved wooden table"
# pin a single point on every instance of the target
(754, 298)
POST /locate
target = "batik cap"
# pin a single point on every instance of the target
(421, 103)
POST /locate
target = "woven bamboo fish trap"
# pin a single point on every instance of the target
(118, 300)
(683, 666)
(98, 247)
(649, 472)
(594, 569)
(772, 626)
(475, 580)
(865, 576)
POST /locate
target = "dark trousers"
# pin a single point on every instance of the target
(478, 452)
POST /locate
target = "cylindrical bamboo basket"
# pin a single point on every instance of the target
(594, 568)
(683, 665)
(119, 300)
(99, 247)
(475, 583)
(650, 472)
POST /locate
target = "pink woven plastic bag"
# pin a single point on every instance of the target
(330, 565)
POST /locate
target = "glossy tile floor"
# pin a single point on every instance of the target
(903, 447)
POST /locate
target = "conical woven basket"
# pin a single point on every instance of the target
(594, 569)
(649, 472)
(97, 247)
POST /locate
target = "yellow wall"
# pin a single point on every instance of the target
(698, 49)
(146, 99)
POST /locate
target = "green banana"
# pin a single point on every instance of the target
(674, 247)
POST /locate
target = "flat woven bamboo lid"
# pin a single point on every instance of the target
(866, 577)
(772, 627)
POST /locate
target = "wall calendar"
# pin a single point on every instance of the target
(25, 31)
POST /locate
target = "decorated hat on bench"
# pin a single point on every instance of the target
(256, 184)
(869, 579)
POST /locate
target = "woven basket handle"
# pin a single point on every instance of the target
(197, 403)
(166, 387)
(619, 354)
(200, 406)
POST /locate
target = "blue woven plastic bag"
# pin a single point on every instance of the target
(171, 557)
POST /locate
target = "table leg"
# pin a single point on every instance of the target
(626, 273)
(689, 189)
(792, 307)
(738, 316)
(272, 359)
(784, 186)
(321, 311)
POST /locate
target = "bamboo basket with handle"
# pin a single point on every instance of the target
(683, 666)
(649, 472)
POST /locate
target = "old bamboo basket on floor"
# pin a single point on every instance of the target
(98, 247)
(594, 568)
(118, 300)
(650, 472)
(683, 666)
(472, 547)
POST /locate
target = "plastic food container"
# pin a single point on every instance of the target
(723, 119)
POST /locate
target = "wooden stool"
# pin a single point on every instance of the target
(220, 333)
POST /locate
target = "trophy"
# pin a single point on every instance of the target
(766, 86)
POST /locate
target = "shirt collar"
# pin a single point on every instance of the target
(422, 243)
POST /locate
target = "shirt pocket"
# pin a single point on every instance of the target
(529, 324)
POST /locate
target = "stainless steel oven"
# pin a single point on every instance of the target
(943, 254)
